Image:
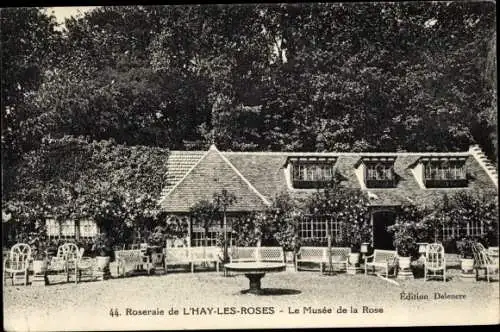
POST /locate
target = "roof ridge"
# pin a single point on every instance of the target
(333, 153)
(250, 185)
(213, 148)
(292, 153)
(184, 177)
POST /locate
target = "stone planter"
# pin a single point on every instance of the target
(354, 258)
(353, 266)
(467, 265)
(102, 262)
(102, 267)
(404, 263)
(40, 266)
(290, 257)
(40, 277)
(404, 272)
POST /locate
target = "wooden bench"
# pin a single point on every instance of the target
(319, 255)
(316, 255)
(204, 255)
(257, 254)
(243, 254)
(384, 259)
(177, 256)
(134, 258)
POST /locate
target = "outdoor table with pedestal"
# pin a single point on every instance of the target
(255, 271)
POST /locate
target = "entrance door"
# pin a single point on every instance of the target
(382, 239)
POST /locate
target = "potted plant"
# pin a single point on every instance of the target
(157, 240)
(407, 231)
(464, 247)
(289, 241)
(156, 243)
(356, 234)
(39, 253)
(354, 255)
(405, 242)
(102, 250)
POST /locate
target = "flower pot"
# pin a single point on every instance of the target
(354, 258)
(40, 266)
(102, 263)
(467, 264)
(404, 263)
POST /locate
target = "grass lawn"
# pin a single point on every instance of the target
(210, 300)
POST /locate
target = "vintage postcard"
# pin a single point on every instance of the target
(249, 166)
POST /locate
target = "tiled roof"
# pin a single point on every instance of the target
(178, 164)
(265, 172)
(208, 175)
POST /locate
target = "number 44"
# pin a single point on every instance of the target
(114, 312)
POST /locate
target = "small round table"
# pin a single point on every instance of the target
(255, 271)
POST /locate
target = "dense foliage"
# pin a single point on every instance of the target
(408, 230)
(74, 178)
(460, 211)
(88, 109)
(349, 207)
(371, 76)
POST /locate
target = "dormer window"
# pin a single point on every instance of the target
(312, 172)
(378, 172)
(444, 172)
(380, 175)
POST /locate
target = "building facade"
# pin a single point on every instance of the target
(389, 180)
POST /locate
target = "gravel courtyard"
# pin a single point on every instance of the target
(210, 300)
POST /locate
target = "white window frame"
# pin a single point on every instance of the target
(314, 228)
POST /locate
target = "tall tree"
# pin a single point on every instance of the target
(30, 47)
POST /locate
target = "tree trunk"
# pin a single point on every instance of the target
(77, 229)
(225, 238)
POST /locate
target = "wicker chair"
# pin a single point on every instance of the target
(17, 262)
(58, 262)
(483, 261)
(70, 261)
(434, 261)
(82, 266)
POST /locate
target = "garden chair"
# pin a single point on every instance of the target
(483, 261)
(67, 257)
(57, 263)
(434, 261)
(76, 263)
(85, 266)
(17, 262)
(135, 258)
(384, 259)
(340, 257)
(493, 253)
